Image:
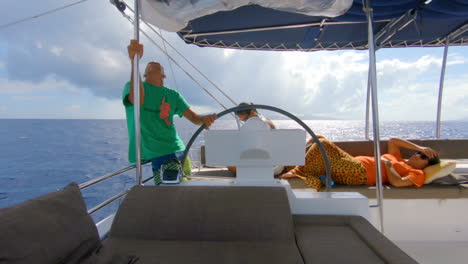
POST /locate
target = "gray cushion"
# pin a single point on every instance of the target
(201, 224)
(54, 228)
(198, 252)
(200, 213)
(344, 239)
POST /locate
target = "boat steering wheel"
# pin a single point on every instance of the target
(328, 178)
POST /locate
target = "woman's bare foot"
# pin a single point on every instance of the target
(290, 175)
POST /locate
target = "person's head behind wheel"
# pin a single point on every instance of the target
(247, 113)
(420, 161)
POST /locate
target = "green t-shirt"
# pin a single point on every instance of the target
(158, 134)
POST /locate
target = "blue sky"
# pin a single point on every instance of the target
(73, 64)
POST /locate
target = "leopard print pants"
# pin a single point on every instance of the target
(345, 169)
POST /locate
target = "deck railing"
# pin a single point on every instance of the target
(100, 179)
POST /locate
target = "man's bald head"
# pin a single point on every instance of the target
(154, 73)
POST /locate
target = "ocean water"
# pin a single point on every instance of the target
(41, 156)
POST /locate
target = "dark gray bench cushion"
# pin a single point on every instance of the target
(344, 239)
(54, 228)
(174, 224)
(199, 213)
(116, 251)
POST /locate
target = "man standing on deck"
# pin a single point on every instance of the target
(158, 105)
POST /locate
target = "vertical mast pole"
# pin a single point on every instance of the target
(375, 108)
(441, 88)
(136, 94)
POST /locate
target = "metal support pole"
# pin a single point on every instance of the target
(366, 135)
(441, 88)
(136, 95)
(375, 108)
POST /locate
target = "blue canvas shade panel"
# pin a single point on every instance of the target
(397, 23)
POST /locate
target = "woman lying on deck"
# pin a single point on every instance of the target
(360, 170)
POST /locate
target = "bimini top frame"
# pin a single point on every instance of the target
(402, 23)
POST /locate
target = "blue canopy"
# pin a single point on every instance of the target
(397, 23)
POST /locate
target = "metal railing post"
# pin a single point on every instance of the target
(441, 88)
(366, 135)
(102, 178)
(136, 95)
(375, 109)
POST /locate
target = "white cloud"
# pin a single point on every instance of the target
(98, 108)
(310, 84)
(109, 109)
(455, 98)
(323, 84)
(29, 97)
(57, 51)
(409, 90)
(103, 65)
(334, 84)
(74, 107)
(456, 59)
(39, 44)
(87, 47)
(88, 57)
(27, 87)
(396, 75)
(203, 109)
(54, 98)
(328, 75)
(73, 111)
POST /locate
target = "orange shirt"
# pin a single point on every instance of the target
(416, 176)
